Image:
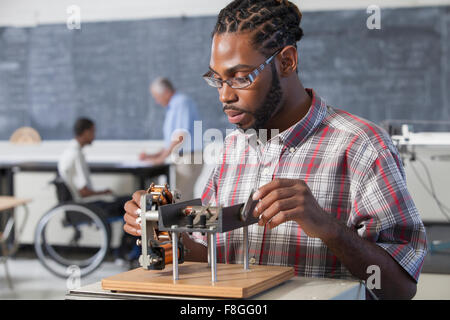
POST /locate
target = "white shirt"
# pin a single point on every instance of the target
(73, 169)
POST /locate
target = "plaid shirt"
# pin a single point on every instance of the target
(352, 169)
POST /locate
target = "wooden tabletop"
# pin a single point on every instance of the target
(7, 203)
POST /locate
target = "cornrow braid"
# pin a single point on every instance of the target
(275, 23)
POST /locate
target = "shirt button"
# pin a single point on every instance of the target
(252, 260)
(266, 171)
(292, 150)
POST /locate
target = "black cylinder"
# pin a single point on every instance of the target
(190, 223)
(202, 222)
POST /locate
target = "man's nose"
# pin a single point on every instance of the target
(227, 94)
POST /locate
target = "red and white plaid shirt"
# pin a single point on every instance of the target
(352, 169)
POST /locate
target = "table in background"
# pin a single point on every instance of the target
(142, 171)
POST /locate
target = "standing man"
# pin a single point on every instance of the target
(178, 131)
(331, 187)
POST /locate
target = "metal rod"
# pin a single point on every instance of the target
(151, 215)
(208, 239)
(213, 257)
(246, 265)
(175, 255)
(145, 261)
(225, 248)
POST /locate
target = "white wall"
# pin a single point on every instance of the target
(30, 13)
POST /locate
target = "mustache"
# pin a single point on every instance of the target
(234, 108)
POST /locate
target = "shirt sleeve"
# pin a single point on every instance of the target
(183, 121)
(66, 171)
(384, 212)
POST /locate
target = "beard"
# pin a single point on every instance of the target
(268, 108)
(271, 104)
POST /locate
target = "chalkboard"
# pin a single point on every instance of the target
(398, 72)
(50, 75)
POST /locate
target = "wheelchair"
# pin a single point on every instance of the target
(84, 242)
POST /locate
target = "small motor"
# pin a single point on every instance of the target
(156, 245)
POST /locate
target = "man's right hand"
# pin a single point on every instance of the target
(133, 212)
(195, 251)
(142, 156)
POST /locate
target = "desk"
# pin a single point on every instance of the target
(142, 171)
(9, 203)
(297, 288)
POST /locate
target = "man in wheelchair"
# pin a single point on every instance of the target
(75, 174)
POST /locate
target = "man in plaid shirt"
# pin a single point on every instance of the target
(332, 189)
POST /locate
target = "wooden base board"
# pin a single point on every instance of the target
(195, 280)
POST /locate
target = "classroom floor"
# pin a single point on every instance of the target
(32, 281)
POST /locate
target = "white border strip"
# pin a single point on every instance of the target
(31, 13)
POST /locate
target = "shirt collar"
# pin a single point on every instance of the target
(299, 131)
(75, 144)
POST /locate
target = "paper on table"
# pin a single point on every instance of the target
(134, 164)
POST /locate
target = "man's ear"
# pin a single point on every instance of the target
(288, 61)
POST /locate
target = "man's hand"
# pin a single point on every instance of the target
(196, 252)
(106, 191)
(132, 213)
(142, 156)
(87, 192)
(284, 200)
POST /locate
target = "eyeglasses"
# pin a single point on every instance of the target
(238, 82)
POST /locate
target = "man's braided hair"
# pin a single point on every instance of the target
(275, 23)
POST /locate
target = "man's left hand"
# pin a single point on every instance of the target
(284, 200)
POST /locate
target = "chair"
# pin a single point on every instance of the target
(85, 241)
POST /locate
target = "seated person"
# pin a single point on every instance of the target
(74, 170)
(72, 165)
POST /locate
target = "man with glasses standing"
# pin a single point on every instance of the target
(332, 194)
(178, 133)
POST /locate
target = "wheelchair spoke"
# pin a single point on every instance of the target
(72, 234)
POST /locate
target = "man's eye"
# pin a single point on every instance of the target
(241, 79)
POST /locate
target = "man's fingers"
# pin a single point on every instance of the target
(281, 217)
(269, 199)
(277, 207)
(132, 212)
(132, 209)
(272, 185)
(137, 196)
(131, 230)
(132, 221)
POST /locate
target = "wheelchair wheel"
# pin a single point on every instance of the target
(72, 235)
